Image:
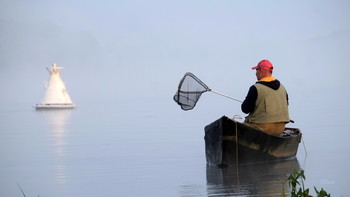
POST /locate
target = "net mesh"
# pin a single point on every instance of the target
(189, 91)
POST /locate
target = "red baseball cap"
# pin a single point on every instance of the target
(264, 64)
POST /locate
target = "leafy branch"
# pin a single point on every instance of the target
(296, 181)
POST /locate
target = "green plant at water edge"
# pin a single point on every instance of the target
(296, 181)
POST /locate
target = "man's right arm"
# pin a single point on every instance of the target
(249, 102)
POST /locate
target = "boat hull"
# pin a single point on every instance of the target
(55, 106)
(230, 142)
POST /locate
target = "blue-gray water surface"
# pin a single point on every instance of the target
(152, 148)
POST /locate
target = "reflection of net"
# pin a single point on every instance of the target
(189, 91)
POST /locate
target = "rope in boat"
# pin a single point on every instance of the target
(305, 158)
(237, 155)
(237, 117)
(304, 147)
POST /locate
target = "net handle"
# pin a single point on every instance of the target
(219, 93)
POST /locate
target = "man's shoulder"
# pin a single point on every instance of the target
(253, 88)
(275, 84)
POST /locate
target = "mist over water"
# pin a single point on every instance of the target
(122, 64)
(133, 149)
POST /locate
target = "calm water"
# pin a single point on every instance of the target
(134, 148)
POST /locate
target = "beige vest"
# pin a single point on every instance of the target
(270, 106)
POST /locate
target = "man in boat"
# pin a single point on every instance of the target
(266, 101)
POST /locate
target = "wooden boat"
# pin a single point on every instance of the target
(230, 142)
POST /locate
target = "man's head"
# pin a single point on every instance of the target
(263, 69)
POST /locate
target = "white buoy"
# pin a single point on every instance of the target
(56, 95)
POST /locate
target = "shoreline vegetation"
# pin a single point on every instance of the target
(296, 181)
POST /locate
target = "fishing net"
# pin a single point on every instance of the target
(189, 91)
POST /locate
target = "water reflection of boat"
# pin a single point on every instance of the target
(250, 179)
(57, 120)
(224, 147)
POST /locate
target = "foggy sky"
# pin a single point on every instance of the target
(130, 49)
